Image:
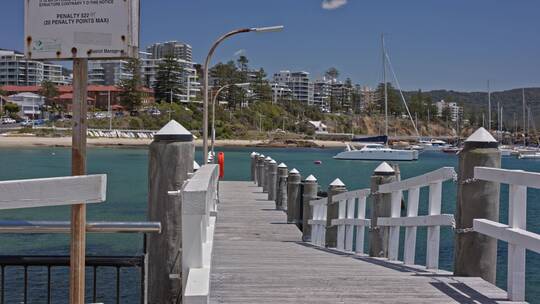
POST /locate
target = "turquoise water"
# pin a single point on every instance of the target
(127, 189)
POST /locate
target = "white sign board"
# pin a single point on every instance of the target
(68, 29)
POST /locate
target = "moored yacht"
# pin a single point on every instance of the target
(433, 145)
(377, 152)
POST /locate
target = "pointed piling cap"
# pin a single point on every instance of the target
(282, 165)
(253, 154)
(311, 178)
(273, 162)
(384, 169)
(261, 156)
(482, 136)
(268, 159)
(173, 131)
(337, 183)
(294, 171)
(196, 166)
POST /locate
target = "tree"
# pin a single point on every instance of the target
(131, 94)
(167, 84)
(261, 87)
(394, 102)
(332, 73)
(11, 108)
(243, 63)
(50, 91)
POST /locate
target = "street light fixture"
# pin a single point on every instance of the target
(206, 64)
(214, 99)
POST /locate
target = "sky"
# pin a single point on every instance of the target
(456, 45)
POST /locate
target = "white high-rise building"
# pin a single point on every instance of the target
(298, 82)
(322, 92)
(455, 110)
(170, 48)
(15, 69)
(188, 83)
(107, 72)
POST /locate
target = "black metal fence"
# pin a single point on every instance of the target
(11, 293)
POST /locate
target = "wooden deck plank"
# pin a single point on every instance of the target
(258, 258)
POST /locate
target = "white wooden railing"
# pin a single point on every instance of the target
(199, 198)
(515, 233)
(347, 222)
(318, 222)
(433, 221)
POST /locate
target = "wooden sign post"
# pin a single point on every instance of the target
(79, 31)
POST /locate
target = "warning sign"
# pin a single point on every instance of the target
(67, 29)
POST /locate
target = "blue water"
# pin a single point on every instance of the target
(127, 189)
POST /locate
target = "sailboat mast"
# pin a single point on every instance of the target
(489, 106)
(385, 86)
(524, 116)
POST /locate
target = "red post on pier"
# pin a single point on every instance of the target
(221, 162)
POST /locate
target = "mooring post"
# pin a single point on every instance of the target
(310, 193)
(260, 166)
(476, 254)
(293, 195)
(272, 180)
(336, 187)
(265, 174)
(254, 166)
(171, 159)
(281, 193)
(381, 206)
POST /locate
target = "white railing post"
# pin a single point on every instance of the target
(349, 227)
(434, 232)
(517, 218)
(360, 229)
(393, 237)
(341, 227)
(410, 232)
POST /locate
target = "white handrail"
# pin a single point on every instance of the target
(198, 196)
(318, 221)
(433, 221)
(347, 223)
(515, 233)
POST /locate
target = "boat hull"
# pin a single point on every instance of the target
(397, 155)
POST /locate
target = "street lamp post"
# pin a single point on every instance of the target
(214, 99)
(206, 67)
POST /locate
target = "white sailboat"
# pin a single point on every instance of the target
(378, 151)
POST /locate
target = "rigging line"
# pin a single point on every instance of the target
(401, 93)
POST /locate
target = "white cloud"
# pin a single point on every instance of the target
(239, 52)
(333, 4)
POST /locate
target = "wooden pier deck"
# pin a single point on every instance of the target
(259, 258)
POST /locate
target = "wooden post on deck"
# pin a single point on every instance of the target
(266, 175)
(281, 193)
(310, 193)
(476, 254)
(336, 187)
(171, 160)
(254, 166)
(381, 206)
(293, 196)
(272, 180)
(259, 167)
(78, 167)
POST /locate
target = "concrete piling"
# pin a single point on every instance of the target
(265, 174)
(254, 166)
(310, 193)
(476, 254)
(272, 180)
(281, 192)
(293, 196)
(336, 187)
(171, 159)
(260, 166)
(381, 206)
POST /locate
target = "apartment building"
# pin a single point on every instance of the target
(15, 69)
(322, 91)
(456, 112)
(298, 82)
(170, 48)
(107, 72)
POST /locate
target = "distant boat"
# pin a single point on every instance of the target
(451, 150)
(377, 152)
(380, 139)
(317, 162)
(535, 155)
(433, 145)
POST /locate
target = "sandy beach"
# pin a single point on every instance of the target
(33, 141)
